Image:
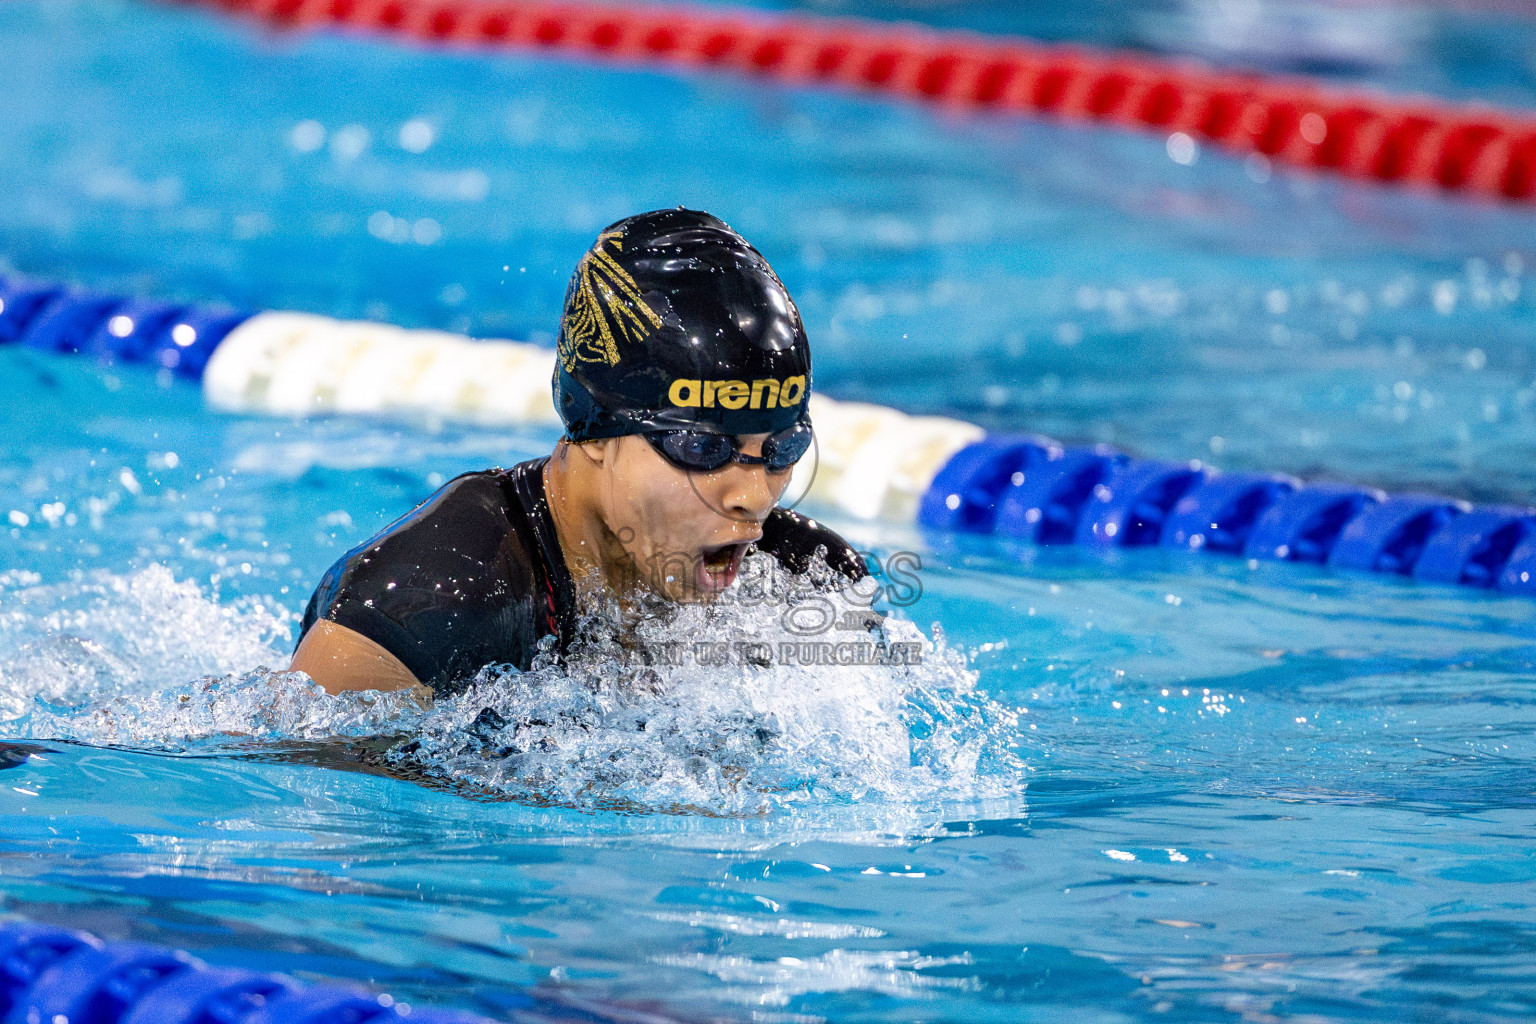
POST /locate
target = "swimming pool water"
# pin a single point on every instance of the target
(1163, 787)
(1305, 324)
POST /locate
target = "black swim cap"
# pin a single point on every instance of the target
(672, 321)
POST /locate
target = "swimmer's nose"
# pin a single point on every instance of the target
(749, 494)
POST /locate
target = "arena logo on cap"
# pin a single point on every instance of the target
(763, 393)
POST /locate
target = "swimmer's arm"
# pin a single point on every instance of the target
(342, 659)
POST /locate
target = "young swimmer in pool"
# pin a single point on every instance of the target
(683, 381)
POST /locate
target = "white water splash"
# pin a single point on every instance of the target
(150, 662)
(230, 711)
(712, 709)
(102, 634)
(687, 709)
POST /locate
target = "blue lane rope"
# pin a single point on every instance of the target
(1014, 486)
(52, 974)
(1032, 489)
(54, 319)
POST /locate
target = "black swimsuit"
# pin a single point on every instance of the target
(475, 576)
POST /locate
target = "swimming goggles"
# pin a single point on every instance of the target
(703, 452)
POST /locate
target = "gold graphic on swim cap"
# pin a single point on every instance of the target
(606, 308)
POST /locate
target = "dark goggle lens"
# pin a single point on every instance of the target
(706, 452)
(697, 450)
(787, 447)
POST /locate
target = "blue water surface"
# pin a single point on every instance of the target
(1302, 324)
(1171, 787)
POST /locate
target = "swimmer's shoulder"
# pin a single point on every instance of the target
(458, 573)
(464, 522)
(793, 539)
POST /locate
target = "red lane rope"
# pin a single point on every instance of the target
(1480, 150)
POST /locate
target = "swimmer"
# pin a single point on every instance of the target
(683, 380)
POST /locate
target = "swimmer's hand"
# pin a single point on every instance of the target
(341, 659)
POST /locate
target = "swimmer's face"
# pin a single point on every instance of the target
(686, 532)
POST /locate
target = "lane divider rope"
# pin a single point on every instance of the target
(52, 974)
(871, 462)
(1475, 149)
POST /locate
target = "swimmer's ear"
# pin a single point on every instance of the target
(600, 451)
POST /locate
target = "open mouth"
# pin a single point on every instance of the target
(718, 566)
